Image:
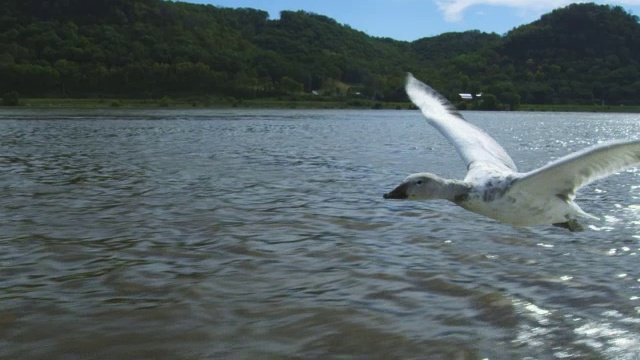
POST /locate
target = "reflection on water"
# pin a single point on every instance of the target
(236, 234)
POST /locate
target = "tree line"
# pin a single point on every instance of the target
(579, 54)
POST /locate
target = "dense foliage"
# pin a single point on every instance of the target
(583, 53)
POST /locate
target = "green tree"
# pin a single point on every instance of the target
(289, 86)
(511, 99)
(488, 102)
(11, 98)
(581, 53)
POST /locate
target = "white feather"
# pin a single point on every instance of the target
(493, 187)
(476, 147)
(567, 174)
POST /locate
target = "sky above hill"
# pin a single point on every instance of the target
(414, 19)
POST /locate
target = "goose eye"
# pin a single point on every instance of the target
(419, 182)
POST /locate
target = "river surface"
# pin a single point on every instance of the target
(238, 234)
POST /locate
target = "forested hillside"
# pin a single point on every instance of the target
(583, 53)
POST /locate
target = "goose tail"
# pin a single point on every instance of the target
(582, 213)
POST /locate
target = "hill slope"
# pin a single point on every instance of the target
(583, 53)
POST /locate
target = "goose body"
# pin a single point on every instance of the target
(493, 187)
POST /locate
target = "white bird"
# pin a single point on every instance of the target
(493, 186)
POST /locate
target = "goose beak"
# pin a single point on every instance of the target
(398, 193)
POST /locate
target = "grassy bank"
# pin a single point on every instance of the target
(582, 108)
(103, 103)
(272, 103)
(206, 102)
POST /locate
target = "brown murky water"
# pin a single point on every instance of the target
(245, 234)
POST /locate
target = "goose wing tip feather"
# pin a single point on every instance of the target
(415, 88)
(566, 175)
(474, 145)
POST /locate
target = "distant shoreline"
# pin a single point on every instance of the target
(206, 103)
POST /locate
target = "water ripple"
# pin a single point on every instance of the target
(235, 234)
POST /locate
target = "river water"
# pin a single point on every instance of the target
(200, 234)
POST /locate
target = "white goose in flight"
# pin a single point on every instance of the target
(493, 186)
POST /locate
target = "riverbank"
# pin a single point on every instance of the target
(206, 102)
(273, 103)
(582, 108)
